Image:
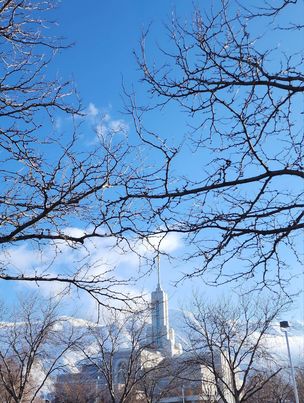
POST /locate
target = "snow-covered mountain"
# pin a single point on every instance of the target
(277, 341)
(275, 338)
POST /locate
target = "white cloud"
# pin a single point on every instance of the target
(164, 243)
(92, 111)
(20, 258)
(103, 123)
(101, 130)
(117, 126)
(99, 258)
(106, 117)
(58, 123)
(171, 242)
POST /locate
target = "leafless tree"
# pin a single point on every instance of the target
(159, 383)
(75, 392)
(300, 381)
(277, 390)
(280, 388)
(34, 346)
(230, 341)
(242, 197)
(124, 365)
(246, 204)
(172, 377)
(51, 178)
(123, 356)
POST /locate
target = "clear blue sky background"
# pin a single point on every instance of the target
(104, 34)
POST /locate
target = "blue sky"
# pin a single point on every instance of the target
(104, 36)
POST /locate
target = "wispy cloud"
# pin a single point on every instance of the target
(167, 243)
(92, 110)
(103, 124)
(99, 257)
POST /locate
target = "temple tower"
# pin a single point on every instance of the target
(162, 336)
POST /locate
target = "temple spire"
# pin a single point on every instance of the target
(158, 272)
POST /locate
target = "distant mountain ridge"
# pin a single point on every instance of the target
(275, 336)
